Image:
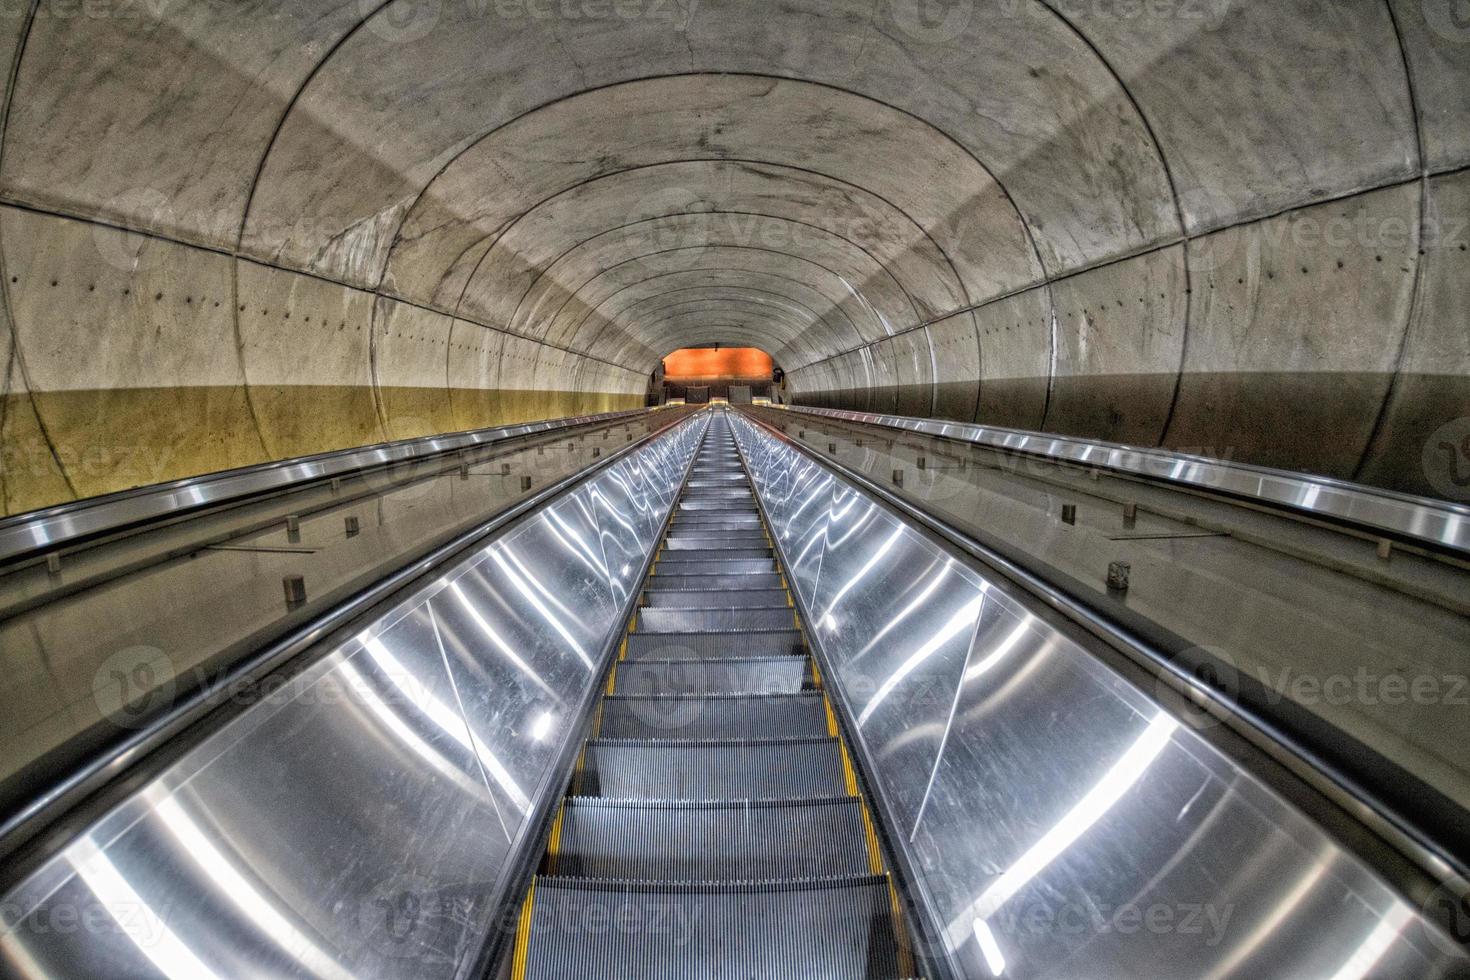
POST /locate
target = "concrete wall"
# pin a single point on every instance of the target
(286, 226)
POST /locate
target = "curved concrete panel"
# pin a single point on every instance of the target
(1192, 224)
(1295, 331)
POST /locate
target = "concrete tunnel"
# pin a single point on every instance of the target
(234, 232)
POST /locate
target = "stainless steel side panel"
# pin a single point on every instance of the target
(359, 821)
(1061, 822)
(1437, 522)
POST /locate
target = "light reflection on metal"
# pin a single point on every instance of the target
(1438, 522)
(1025, 749)
(1099, 800)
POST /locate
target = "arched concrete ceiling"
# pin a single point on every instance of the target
(1084, 217)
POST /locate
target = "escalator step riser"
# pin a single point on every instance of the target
(716, 542)
(738, 506)
(683, 566)
(822, 839)
(716, 554)
(837, 932)
(708, 718)
(714, 620)
(712, 646)
(769, 771)
(717, 599)
(782, 675)
(705, 583)
(720, 493)
(715, 522)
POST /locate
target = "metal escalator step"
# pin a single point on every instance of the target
(719, 493)
(681, 540)
(704, 583)
(707, 717)
(837, 929)
(721, 598)
(782, 769)
(742, 504)
(678, 564)
(711, 842)
(715, 554)
(714, 620)
(711, 646)
(715, 521)
(728, 675)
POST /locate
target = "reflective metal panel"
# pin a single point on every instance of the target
(1066, 823)
(1437, 522)
(359, 820)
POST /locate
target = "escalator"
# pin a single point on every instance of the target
(714, 825)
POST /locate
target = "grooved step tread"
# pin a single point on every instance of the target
(726, 675)
(678, 716)
(839, 928)
(666, 841)
(714, 646)
(784, 770)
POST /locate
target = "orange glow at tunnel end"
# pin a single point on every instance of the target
(722, 362)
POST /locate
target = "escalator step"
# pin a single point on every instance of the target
(714, 620)
(839, 929)
(717, 599)
(705, 842)
(709, 523)
(766, 675)
(701, 646)
(717, 504)
(687, 540)
(786, 769)
(703, 583)
(679, 565)
(707, 717)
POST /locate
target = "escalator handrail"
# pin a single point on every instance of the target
(28, 534)
(1437, 524)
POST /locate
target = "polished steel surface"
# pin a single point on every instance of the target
(1057, 820)
(365, 817)
(1439, 523)
(55, 526)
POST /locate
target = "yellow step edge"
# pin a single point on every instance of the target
(523, 935)
(553, 844)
